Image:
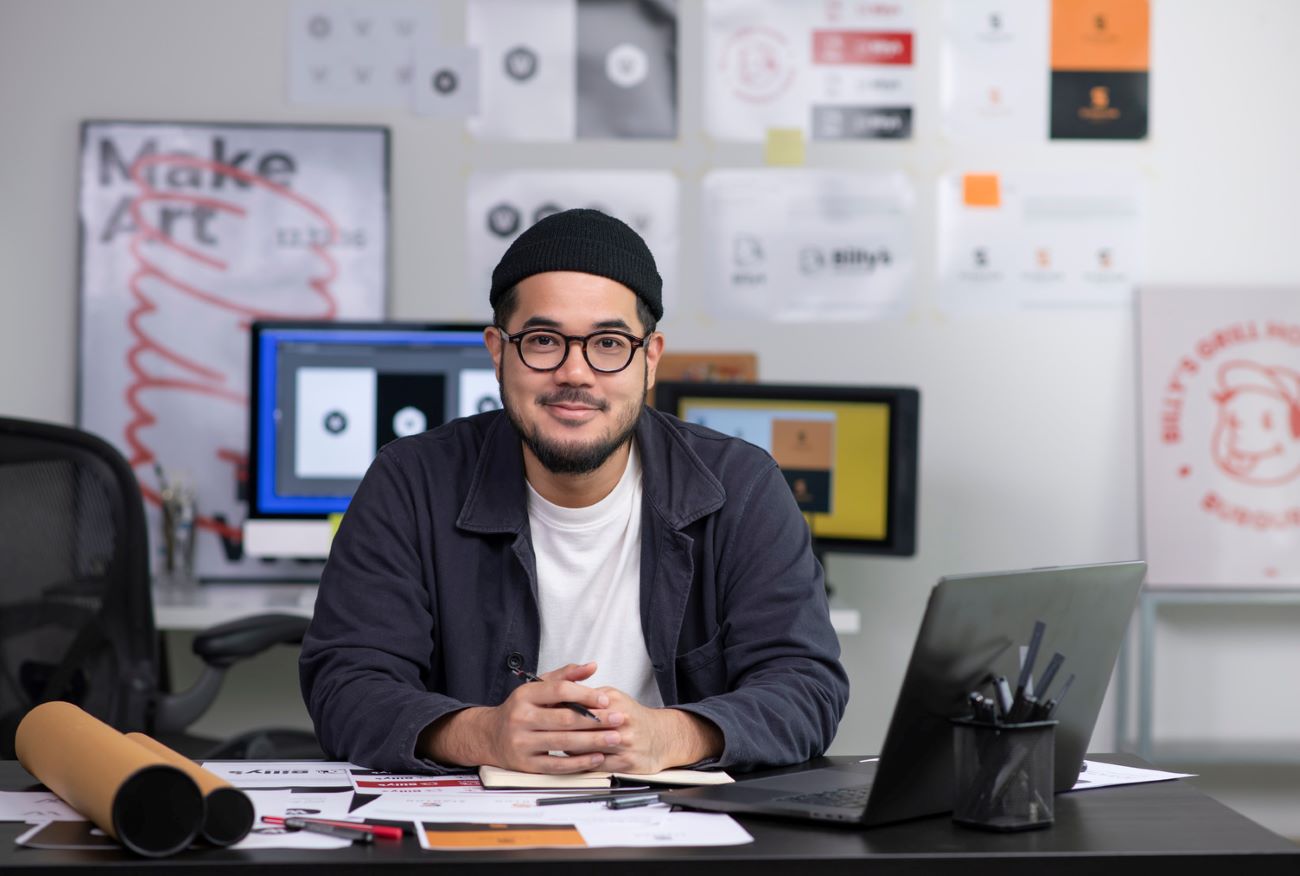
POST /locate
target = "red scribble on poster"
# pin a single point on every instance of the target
(177, 269)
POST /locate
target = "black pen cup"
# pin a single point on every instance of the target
(1003, 774)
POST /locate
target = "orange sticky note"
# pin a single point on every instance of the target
(981, 190)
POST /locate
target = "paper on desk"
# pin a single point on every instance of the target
(274, 836)
(656, 827)
(35, 807)
(1102, 775)
(283, 774)
(674, 829)
(378, 782)
(497, 808)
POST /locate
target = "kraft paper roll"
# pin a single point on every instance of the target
(130, 793)
(229, 813)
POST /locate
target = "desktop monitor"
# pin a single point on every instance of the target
(849, 453)
(325, 396)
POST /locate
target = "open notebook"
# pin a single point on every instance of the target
(496, 778)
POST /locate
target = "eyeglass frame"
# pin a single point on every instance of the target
(517, 340)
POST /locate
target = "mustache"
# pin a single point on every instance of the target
(572, 395)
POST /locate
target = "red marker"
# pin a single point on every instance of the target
(377, 830)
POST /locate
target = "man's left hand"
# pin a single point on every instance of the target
(651, 740)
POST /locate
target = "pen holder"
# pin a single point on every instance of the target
(1003, 774)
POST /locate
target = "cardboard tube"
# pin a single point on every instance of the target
(229, 813)
(130, 793)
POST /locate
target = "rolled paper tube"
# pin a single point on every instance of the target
(129, 792)
(229, 813)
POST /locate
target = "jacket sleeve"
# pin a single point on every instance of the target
(785, 689)
(370, 646)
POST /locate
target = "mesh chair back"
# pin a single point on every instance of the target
(76, 620)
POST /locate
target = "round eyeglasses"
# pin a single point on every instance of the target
(606, 351)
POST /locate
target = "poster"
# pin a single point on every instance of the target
(357, 52)
(994, 70)
(1010, 241)
(790, 245)
(188, 233)
(837, 70)
(1220, 413)
(559, 70)
(1100, 69)
(502, 205)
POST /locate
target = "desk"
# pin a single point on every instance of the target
(207, 605)
(1135, 829)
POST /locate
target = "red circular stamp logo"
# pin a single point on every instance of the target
(757, 63)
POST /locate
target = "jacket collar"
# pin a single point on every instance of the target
(675, 481)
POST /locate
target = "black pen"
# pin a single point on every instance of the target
(577, 707)
(584, 798)
(356, 834)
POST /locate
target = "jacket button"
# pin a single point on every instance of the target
(515, 661)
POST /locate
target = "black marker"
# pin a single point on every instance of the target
(577, 707)
(628, 801)
(1040, 688)
(356, 834)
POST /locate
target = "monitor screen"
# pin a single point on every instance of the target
(849, 453)
(327, 395)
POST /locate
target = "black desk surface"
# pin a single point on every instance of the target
(1148, 829)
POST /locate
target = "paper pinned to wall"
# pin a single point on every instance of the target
(838, 71)
(501, 205)
(558, 70)
(1047, 241)
(994, 70)
(791, 245)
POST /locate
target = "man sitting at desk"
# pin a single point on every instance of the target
(577, 525)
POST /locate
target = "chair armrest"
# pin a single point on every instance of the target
(236, 640)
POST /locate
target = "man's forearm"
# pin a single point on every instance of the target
(458, 739)
(693, 738)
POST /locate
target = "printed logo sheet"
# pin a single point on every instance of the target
(1221, 436)
(837, 70)
(1020, 240)
(807, 245)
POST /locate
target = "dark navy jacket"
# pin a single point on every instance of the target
(431, 587)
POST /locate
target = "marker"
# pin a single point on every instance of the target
(1004, 695)
(1048, 674)
(583, 798)
(380, 831)
(1027, 663)
(576, 707)
(628, 801)
(358, 833)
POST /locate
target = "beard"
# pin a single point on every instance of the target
(574, 458)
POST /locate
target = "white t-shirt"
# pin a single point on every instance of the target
(589, 586)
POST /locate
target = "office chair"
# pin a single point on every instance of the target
(76, 610)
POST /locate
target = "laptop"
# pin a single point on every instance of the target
(974, 625)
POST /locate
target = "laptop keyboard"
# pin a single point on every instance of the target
(847, 798)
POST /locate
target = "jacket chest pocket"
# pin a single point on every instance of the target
(702, 671)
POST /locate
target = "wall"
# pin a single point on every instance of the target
(1028, 422)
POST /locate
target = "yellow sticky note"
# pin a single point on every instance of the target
(980, 190)
(784, 147)
(334, 521)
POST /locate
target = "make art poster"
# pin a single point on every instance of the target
(558, 70)
(502, 205)
(1014, 241)
(1221, 436)
(189, 232)
(796, 245)
(994, 69)
(838, 70)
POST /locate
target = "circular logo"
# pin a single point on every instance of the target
(503, 220)
(626, 65)
(336, 423)
(757, 64)
(746, 250)
(550, 208)
(811, 260)
(409, 421)
(318, 26)
(521, 63)
(445, 81)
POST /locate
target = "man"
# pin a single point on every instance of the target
(656, 575)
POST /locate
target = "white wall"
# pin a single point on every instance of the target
(1029, 422)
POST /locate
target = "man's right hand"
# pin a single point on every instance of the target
(520, 733)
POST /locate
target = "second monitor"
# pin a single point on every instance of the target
(849, 453)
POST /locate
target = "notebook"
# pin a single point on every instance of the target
(973, 626)
(497, 779)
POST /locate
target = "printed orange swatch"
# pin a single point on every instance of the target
(981, 190)
(1101, 35)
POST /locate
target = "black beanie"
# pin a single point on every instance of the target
(582, 240)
